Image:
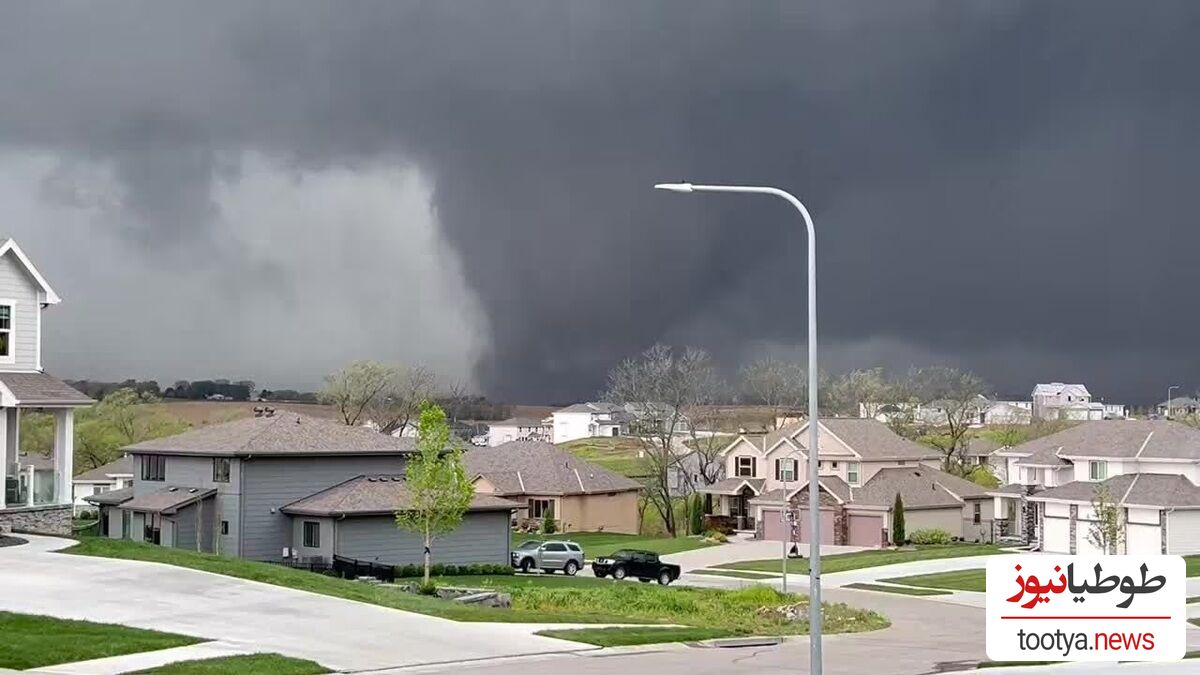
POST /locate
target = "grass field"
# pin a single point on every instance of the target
(736, 574)
(958, 580)
(619, 454)
(894, 589)
(200, 413)
(536, 598)
(863, 559)
(597, 544)
(1193, 565)
(29, 641)
(246, 664)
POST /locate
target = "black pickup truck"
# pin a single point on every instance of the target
(643, 565)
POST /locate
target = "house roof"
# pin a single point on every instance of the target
(542, 468)
(919, 487)
(168, 500)
(283, 434)
(35, 460)
(834, 485)
(10, 246)
(1146, 439)
(36, 388)
(375, 495)
(732, 486)
(874, 440)
(592, 407)
(518, 422)
(1010, 489)
(120, 467)
(979, 446)
(1057, 388)
(110, 498)
(1133, 489)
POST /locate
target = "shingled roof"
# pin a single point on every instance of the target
(373, 496)
(1147, 439)
(168, 500)
(35, 388)
(919, 487)
(536, 467)
(110, 498)
(874, 440)
(283, 434)
(1131, 489)
(120, 467)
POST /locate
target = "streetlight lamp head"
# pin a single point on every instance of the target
(674, 187)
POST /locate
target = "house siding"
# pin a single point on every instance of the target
(272, 482)
(481, 538)
(184, 524)
(189, 471)
(305, 553)
(19, 287)
(615, 512)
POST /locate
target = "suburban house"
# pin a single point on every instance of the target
(286, 486)
(589, 420)
(33, 498)
(692, 470)
(518, 429)
(547, 481)
(1180, 405)
(863, 466)
(1006, 412)
(1058, 401)
(1151, 468)
(983, 412)
(115, 475)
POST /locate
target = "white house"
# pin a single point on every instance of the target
(1150, 467)
(518, 429)
(1058, 401)
(115, 475)
(31, 499)
(589, 420)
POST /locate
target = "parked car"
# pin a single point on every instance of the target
(643, 565)
(548, 556)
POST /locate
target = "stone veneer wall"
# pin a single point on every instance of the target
(54, 519)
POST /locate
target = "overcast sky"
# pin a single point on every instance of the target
(268, 190)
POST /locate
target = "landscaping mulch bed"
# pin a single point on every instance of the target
(6, 540)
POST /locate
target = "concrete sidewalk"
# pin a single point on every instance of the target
(128, 663)
(738, 550)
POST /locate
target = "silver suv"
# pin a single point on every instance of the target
(548, 556)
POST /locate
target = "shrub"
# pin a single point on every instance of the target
(716, 535)
(548, 524)
(413, 571)
(898, 521)
(930, 536)
(427, 589)
(696, 522)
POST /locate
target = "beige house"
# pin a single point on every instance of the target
(863, 466)
(550, 482)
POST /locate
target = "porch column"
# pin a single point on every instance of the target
(64, 454)
(3, 458)
(12, 433)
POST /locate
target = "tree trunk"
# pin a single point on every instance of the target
(427, 558)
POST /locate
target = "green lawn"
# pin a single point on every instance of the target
(29, 641)
(619, 454)
(598, 544)
(861, 559)
(536, 598)
(1193, 565)
(620, 637)
(895, 589)
(246, 664)
(959, 580)
(737, 574)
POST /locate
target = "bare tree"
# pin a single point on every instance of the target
(353, 388)
(400, 401)
(958, 393)
(781, 386)
(862, 392)
(657, 390)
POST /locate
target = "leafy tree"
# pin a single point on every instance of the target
(861, 391)
(959, 394)
(1107, 531)
(353, 388)
(898, 521)
(439, 493)
(696, 525)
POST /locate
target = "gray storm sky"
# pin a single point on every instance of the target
(271, 189)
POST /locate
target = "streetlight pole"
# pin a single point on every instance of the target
(1174, 386)
(814, 497)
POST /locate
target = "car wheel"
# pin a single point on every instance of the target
(664, 578)
(618, 572)
(571, 568)
(527, 565)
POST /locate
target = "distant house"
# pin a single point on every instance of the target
(589, 420)
(1006, 412)
(547, 481)
(518, 429)
(286, 486)
(1059, 401)
(112, 476)
(1180, 405)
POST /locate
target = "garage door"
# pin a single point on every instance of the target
(826, 526)
(1057, 537)
(773, 528)
(1183, 532)
(864, 530)
(1142, 539)
(1082, 544)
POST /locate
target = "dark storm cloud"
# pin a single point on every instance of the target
(1005, 185)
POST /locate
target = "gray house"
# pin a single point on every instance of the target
(281, 485)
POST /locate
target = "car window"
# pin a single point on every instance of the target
(529, 545)
(574, 547)
(554, 547)
(620, 555)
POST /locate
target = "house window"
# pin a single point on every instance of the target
(745, 467)
(852, 473)
(154, 467)
(6, 311)
(785, 470)
(833, 465)
(312, 534)
(541, 508)
(224, 527)
(1097, 470)
(977, 513)
(220, 469)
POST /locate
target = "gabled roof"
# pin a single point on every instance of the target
(1144, 439)
(1058, 388)
(873, 440)
(919, 487)
(539, 468)
(833, 485)
(10, 246)
(120, 467)
(592, 407)
(37, 388)
(733, 486)
(168, 500)
(375, 495)
(284, 434)
(1131, 489)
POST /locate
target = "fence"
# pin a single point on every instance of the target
(346, 568)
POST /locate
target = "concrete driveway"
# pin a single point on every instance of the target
(339, 634)
(740, 549)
